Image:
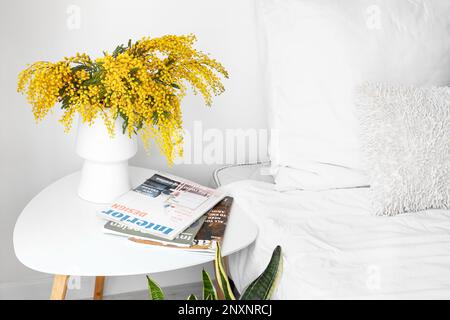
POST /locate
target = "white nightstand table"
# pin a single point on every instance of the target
(59, 233)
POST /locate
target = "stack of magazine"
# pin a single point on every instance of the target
(172, 212)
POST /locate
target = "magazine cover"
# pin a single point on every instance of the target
(211, 232)
(164, 205)
(184, 239)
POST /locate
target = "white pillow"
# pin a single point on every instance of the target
(318, 51)
(317, 176)
(406, 140)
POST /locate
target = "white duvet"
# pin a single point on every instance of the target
(335, 249)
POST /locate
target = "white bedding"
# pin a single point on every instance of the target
(334, 249)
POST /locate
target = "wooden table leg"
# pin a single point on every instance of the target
(59, 288)
(99, 285)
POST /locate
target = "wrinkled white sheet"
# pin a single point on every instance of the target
(335, 249)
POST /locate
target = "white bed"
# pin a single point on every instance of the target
(334, 249)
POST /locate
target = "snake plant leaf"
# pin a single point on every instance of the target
(209, 291)
(154, 291)
(263, 286)
(192, 297)
(221, 276)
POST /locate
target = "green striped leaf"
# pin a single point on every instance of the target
(192, 297)
(222, 278)
(263, 286)
(154, 291)
(209, 292)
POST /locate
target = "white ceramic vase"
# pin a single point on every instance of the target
(104, 175)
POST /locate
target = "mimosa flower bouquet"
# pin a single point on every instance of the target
(139, 87)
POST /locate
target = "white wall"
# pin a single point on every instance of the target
(32, 156)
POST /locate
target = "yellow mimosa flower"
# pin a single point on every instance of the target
(143, 83)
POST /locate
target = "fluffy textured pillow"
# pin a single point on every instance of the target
(406, 142)
(318, 51)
